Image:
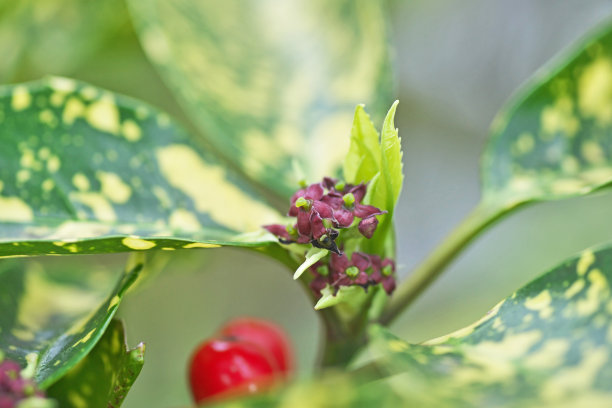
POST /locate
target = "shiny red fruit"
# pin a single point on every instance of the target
(228, 367)
(266, 335)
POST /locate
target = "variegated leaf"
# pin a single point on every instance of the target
(87, 171)
(53, 316)
(271, 81)
(547, 345)
(554, 138)
(105, 376)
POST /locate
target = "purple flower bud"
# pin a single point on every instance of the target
(367, 226)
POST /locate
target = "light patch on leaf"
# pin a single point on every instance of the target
(73, 110)
(137, 244)
(14, 209)
(550, 356)
(184, 220)
(100, 206)
(331, 135)
(113, 187)
(21, 98)
(559, 118)
(131, 131)
(211, 192)
(595, 91)
(584, 263)
(103, 115)
(80, 181)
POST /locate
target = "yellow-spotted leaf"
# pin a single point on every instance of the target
(547, 345)
(105, 376)
(87, 171)
(269, 82)
(52, 316)
(554, 138)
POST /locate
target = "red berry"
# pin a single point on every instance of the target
(266, 335)
(229, 367)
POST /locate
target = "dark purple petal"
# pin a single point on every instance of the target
(360, 260)
(316, 226)
(278, 230)
(7, 401)
(365, 211)
(367, 226)
(323, 209)
(359, 192)
(338, 263)
(361, 279)
(334, 201)
(389, 284)
(303, 222)
(388, 262)
(314, 192)
(318, 284)
(329, 183)
(344, 218)
(303, 239)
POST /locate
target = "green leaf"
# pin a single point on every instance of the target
(54, 36)
(105, 376)
(267, 81)
(312, 257)
(547, 345)
(363, 160)
(391, 159)
(346, 294)
(87, 171)
(554, 137)
(52, 316)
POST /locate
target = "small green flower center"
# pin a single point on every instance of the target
(340, 185)
(387, 270)
(352, 272)
(323, 270)
(349, 199)
(292, 231)
(303, 203)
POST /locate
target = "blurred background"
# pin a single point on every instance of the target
(456, 62)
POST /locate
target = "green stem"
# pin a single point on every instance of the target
(427, 272)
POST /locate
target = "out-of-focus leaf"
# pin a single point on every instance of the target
(554, 138)
(105, 376)
(547, 345)
(52, 317)
(87, 171)
(54, 35)
(270, 81)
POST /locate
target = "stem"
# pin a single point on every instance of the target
(427, 272)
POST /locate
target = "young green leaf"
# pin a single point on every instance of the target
(553, 138)
(105, 376)
(363, 160)
(547, 345)
(391, 159)
(346, 294)
(267, 82)
(312, 257)
(52, 317)
(87, 171)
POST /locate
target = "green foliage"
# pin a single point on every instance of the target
(52, 317)
(363, 160)
(88, 171)
(553, 139)
(547, 345)
(312, 257)
(105, 376)
(256, 74)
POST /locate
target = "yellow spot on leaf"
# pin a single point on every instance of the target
(131, 131)
(200, 245)
(595, 91)
(211, 191)
(73, 110)
(184, 220)
(576, 287)
(85, 338)
(77, 400)
(53, 164)
(104, 115)
(397, 346)
(586, 260)
(558, 118)
(48, 185)
(23, 175)
(14, 209)
(524, 143)
(592, 152)
(549, 356)
(137, 243)
(80, 181)
(98, 204)
(21, 98)
(540, 301)
(114, 188)
(62, 84)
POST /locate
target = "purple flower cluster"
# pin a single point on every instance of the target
(323, 208)
(13, 387)
(362, 269)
